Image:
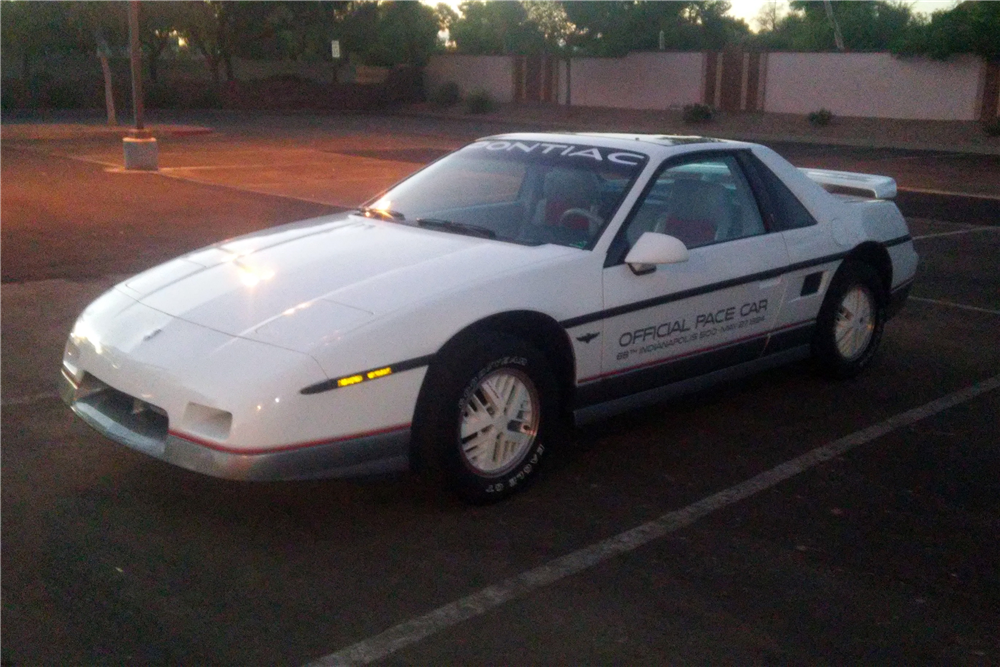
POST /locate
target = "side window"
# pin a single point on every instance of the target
(700, 202)
(788, 211)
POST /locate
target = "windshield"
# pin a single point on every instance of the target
(526, 192)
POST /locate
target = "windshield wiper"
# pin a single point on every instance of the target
(384, 213)
(457, 227)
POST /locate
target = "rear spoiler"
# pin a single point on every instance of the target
(849, 183)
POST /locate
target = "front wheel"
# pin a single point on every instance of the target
(851, 320)
(485, 416)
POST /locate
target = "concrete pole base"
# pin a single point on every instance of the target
(141, 153)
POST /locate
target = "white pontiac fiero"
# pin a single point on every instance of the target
(468, 314)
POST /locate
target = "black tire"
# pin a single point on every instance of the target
(854, 280)
(454, 390)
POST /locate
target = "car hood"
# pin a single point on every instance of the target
(323, 277)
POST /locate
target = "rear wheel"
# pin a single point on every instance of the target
(851, 320)
(485, 414)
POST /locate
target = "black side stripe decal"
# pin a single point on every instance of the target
(704, 352)
(698, 291)
(419, 362)
(398, 367)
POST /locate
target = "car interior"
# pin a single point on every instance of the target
(698, 204)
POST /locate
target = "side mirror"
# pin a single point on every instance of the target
(652, 249)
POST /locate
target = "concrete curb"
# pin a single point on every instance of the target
(27, 131)
(764, 138)
(950, 206)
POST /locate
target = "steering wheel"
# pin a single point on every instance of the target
(595, 221)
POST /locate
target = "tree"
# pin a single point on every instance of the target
(158, 23)
(446, 16)
(617, 28)
(296, 31)
(769, 16)
(866, 26)
(101, 25)
(971, 27)
(22, 27)
(491, 28)
(551, 20)
(207, 25)
(390, 33)
(717, 28)
(218, 28)
(33, 29)
(407, 33)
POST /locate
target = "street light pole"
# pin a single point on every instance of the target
(140, 146)
(135, 58)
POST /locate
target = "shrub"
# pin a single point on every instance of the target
(820, 118)
(207, 97)
(293, 79)
(183, 94)
(38, 83)
(65, 95)
(447, 95)
(697, 113)
(992, 127)
(162, 96)
(479, 102)
(405, 83)
(14, 94)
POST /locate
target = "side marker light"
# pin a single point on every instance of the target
(348, 381)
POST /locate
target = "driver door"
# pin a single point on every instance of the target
(712, 311)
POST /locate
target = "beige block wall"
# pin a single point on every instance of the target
(494, 74)
(874, 85)
(638, 81)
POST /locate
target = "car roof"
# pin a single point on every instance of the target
(625, 140)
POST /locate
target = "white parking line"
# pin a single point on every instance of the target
(955, 305)
(960, 231)
(28, 400)
(410, 632)
(967, 195)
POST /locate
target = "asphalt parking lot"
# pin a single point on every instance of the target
(881, 550)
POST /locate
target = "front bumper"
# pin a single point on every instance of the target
(141, 427)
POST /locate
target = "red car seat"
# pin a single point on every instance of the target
(562, 190)
(696, 212)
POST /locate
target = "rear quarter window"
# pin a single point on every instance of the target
(786, 211)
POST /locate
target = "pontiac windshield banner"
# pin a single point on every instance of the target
(558, 152)
(686, 330)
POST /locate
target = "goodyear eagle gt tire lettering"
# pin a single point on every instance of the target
(486, 415)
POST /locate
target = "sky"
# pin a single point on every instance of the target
(748, 9)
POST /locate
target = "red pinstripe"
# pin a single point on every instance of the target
(284, 448)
